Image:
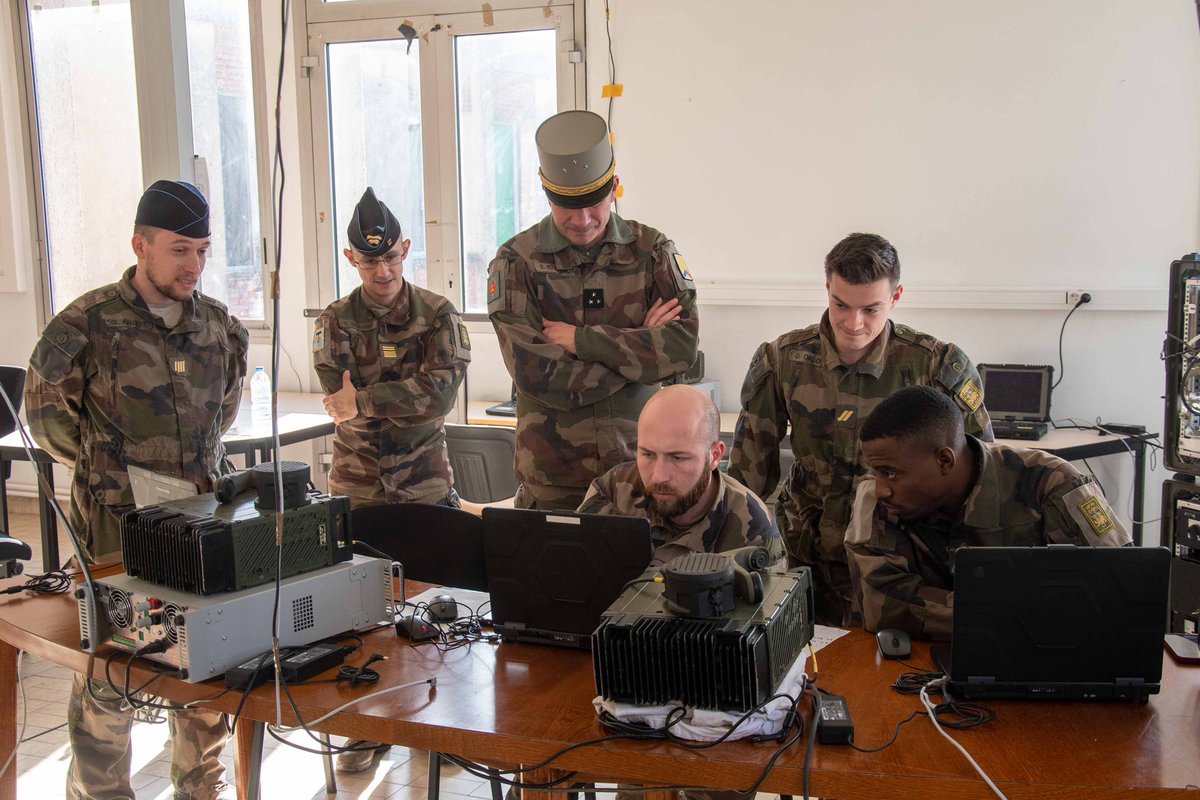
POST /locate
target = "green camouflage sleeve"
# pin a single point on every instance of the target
(596, 501)
(956, 376)
(888, 591)
(1077, 513)
(655, 353)
(540, 369)
(235, 372)
(428, 394)
(331, 352)
(55, 386)
(762, 423)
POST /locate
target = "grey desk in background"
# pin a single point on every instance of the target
(254, 443)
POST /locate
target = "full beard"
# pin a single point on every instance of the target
(681, 503)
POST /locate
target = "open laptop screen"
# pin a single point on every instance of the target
(551, 575)
(1016, 391)
(1059, 622)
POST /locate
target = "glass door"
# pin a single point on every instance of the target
(437, 113)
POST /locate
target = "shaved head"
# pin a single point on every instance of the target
(682, 406)
(678, 448)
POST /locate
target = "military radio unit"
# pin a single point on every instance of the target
(200, 584)
(1181, 448)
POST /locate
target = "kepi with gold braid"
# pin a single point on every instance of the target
(577, 165)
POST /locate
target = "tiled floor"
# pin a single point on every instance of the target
(287, 774)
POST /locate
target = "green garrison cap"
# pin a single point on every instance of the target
(576, 158)
(174, 206)
(373, 230)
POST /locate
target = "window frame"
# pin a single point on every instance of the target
(165, 124)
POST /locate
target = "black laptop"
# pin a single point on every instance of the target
(1058, 622)
(551, 574)
(1017, 397)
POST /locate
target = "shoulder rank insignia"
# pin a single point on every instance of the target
(493, 287)
(971, 395)
(463, 337)
(1096, 515)
(179, 365)
(387, 350)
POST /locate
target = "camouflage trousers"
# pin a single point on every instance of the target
(549, 498)
(832, 588)
(101, 750)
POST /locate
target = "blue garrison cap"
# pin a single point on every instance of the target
(174, 206)
(373, 229)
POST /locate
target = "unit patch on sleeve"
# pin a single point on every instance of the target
(493, 287)
(971, 395)
(684, 272)
(319, 338)
(1093, 510)
(463, 337)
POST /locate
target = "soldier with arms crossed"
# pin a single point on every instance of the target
(934, 488)
(144, 372)
(390, 357)
(592, 312)
(823, 381)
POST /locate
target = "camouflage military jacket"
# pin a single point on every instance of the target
(799, 378)
(577, 414)
(407, 363)
(737, 519)
(112, 386)
(903, 569)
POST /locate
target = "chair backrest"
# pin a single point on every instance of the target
(12, 383)
(436, 544)
(483, 458)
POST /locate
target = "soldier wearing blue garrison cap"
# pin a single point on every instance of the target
(144, 372)
(390, 357)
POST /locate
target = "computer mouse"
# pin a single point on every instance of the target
(893, 643)
(443, 608)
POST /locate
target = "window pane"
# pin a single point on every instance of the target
(88, 133)
(506, 86)
(218, 42)
(375, 136)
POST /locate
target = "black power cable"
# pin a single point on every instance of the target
(1083, 298)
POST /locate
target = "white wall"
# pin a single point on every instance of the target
(1025, 145)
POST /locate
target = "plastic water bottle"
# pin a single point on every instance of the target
(260, 397)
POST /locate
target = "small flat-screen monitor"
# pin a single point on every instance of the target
(1017, 391)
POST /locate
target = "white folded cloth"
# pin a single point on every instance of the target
(705, 725)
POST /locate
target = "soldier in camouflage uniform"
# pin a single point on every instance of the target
(934, 489)
(824, 380)
(390, 357)
(144, 372)
(675, 483)
(592, 312)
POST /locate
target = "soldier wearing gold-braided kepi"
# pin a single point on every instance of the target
(593, 312)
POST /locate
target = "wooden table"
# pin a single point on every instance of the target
(302, 418)
(512, 704)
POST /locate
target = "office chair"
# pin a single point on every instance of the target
(482, 457)
(436, 544)
(12, 383)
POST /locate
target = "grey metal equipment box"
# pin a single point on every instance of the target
(206, 635)
(642, 653)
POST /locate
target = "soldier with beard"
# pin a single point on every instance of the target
(675, 483)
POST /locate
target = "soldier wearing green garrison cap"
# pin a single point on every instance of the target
(143, 372)
(592, 311)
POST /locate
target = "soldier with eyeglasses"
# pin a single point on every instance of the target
(390, 357)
